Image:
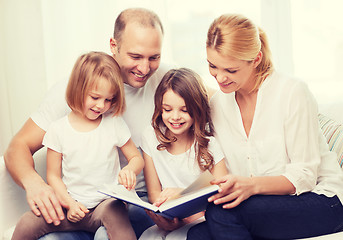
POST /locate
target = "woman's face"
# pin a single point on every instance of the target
(231, 74)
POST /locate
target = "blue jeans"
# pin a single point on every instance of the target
(272, 217)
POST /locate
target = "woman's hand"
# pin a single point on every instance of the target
(165, 223)
(127, 178)
(76, 211)
(233, 190)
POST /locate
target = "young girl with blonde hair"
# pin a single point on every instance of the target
(82, 154)
(178, 147)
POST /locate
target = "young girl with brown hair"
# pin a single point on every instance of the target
(178, 146)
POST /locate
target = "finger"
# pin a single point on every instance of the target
(57, 207)
(220, 180)
(43, 210)
(51, 211)
(226, 198)
(34, 208)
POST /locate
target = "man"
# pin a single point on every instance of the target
(136, 46)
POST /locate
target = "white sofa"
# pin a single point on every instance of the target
(13, 198)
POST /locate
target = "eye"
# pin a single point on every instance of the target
(108, 100)
(211, 65)
(94, 98)
(154, 58)
(231, 71)
(135, 57)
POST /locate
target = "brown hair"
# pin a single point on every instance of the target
(144, 17)
(236, 36)
(88, 69)
(189, 86)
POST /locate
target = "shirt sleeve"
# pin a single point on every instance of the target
(122, 131)
(51, 138)
(216, 151)
(146, 140)
(53, 106)
(301, 137)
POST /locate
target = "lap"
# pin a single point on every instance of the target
(271, 216)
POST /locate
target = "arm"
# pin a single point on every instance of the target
(236, 189)
(219, 170)
(76, 211)
(20, 164)
(127, 176)
(156, 196)
(151, 179)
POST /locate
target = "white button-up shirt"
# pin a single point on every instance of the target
(284, 139)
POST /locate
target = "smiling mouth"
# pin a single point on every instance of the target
(141, 76)
(176, 124)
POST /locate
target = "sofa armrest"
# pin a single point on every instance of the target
(12, 197)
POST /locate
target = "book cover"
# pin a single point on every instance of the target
(191, 200)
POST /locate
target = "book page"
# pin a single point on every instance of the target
(120, 192)
(204, 180)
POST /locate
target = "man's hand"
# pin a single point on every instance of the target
(43, 201)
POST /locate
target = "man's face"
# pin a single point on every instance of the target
(138, 53)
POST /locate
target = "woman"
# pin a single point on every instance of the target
(284, 183)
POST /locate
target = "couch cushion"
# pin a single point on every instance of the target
(333, 132)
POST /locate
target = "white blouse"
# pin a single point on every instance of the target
(284, 139)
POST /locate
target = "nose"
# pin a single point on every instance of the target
(144, 66)
(221, 77)
(100, 104)
(176, 115)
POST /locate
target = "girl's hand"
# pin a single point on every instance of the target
(127, 178)
(165, 223)
(167, 194)
(233, 190)
(76, 211)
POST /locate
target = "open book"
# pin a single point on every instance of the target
(192, 200)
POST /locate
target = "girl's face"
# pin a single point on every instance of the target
(98, 100)
(175, 115)
(231, 74)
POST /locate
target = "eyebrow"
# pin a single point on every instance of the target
(230, 69)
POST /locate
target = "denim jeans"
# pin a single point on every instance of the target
(272, 217)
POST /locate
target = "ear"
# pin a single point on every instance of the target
(113, 46)
(258, 59)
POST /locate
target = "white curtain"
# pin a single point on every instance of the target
(41, 39)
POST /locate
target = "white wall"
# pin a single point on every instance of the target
(22, 76)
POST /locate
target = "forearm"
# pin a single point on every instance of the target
(60, 189)
(136, 164)
(20, 164)
(272, 185)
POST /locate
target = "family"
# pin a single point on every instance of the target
(125, 119)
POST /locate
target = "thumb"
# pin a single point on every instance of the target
(84, 209)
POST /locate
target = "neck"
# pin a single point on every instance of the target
(182, 144)
(81, 123)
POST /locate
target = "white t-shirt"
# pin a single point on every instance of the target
(285, 138)
(176, 171)
(90, 159)
(138, 114)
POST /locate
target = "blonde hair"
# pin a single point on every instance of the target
(188, 85)
(88, 70)
(236, 36)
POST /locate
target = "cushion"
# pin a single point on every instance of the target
(333, 132)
